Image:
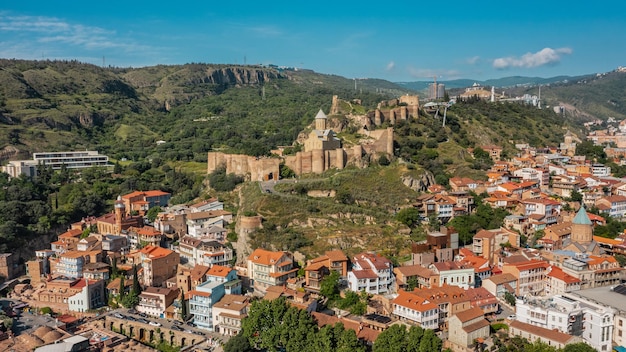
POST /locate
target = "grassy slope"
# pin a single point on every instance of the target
(366, 224)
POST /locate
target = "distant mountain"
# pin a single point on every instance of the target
(504, 82)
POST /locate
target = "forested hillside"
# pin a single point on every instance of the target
(194, 108)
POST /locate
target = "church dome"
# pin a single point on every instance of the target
(581, 217)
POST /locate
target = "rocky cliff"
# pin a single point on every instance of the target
(420, 184)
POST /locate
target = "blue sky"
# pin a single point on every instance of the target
(397, 41)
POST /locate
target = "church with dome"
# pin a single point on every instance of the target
(575, 236)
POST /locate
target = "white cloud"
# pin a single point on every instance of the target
(390, 66)
(543, 57)
(473, 60)
(34, 31)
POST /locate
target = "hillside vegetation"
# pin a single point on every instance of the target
(194, 108)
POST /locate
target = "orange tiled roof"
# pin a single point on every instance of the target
(413, 301)
(336, 255)
(530, 264)
(155, 193)
(218, 270)
(469, 314)
(154, 252)
(607, 240)
(71, 234)
(265, 257)
(559, 274)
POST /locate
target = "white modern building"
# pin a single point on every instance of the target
(570, 314)
(71, 160)
(372, 273)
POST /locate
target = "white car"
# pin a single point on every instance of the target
(512, 317)
(154, 323)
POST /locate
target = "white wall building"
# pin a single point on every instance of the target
(372, 273)
(570, 314)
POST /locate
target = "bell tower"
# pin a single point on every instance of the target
(320, 121)
(120, 211)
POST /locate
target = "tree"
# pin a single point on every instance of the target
(430, 342)
(238, 343)
(383, 160)
(274, 325)
(576, 196)
(114, 270)
(409, 216)
(509, 298)
(122, 289)
(411, 283)
(414, 337)
(136, 289)
(329, 286)
(578, 347)
(153, 213)
(394, 339)
(183, 305)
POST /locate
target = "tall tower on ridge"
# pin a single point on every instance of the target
(320, 121)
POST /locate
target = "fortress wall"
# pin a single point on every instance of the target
(258, 169)
(340, 158)
(317, 162)
(214, 160)
(249, 223)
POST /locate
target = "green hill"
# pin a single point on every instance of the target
(194, 108)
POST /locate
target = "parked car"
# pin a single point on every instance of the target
(178, 322)
(154, 323)
(512, 317)
(177, 328)
(132, 311)
(190, 323)
(118, 315)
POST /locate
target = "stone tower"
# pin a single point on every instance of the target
(320, 121)
(582, 227)
(120, 210)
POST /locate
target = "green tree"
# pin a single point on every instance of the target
(347, 340)
(409, 216)
(394, 339)
(329, 286)
(411, 283)
(183, 306)
(430, 342)
(414, 337)
(238, 343)
(153, 213)
(383, 160)
(509, 298)
(122, 289)
(578, 347)
(114, 270)
(136, 289)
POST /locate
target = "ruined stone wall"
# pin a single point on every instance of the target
(250, 167)
(381, 142)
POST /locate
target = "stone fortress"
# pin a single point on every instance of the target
(323, 150)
